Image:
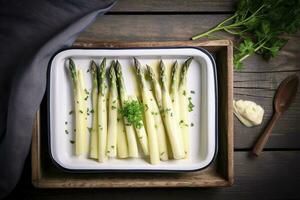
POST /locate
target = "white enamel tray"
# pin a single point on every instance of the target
(201, 87)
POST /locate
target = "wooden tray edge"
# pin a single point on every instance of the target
(39, 182)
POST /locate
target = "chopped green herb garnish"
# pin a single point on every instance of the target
(133, 112)
(113, 107)
(146, 107)
(191, 105)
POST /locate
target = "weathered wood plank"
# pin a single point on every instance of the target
(182, 27)
(174, 6)
(257, 81)
(149, 27)
(273, 175)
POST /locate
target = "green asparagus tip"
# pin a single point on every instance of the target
(73, 71)
(136, 61)
(137, 65)
(184, 70)
(119, 75)
(118, 69)
(93, 66)
(103, 63)
(174, 68)
(162, 73)
(174, 71)
(112, 74)
(113, 63)
(188, 61)
(150, 72)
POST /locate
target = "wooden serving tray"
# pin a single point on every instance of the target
(220, 173)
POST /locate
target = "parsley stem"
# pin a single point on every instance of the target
(226, 20)
(207, 33)
(255, 50)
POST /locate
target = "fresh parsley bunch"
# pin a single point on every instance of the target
(260, 25)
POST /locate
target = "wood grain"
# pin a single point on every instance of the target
(257, 81)
(173, 6)
(265, 177)
(149, 27)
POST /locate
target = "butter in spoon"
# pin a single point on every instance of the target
(284, 96)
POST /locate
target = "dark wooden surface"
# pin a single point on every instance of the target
(273, 175)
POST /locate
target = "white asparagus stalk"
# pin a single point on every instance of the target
(141, 133)
(84, 95)
(102, 112)
(170, 120)
(184, 112)
(112, 114)
(156, 87)
(158, 96)
(122, 147)
(174, 91)
(94, 131)
(79, 114)
(160, 129)
(131, 139)
(150, 121)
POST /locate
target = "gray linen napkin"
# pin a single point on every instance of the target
(31, 31)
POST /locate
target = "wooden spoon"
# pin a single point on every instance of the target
(285, 94)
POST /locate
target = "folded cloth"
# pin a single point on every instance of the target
(31, 31)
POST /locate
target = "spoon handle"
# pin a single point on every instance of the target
(257, 149)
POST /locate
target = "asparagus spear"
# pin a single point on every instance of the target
(156, 86)
(174, 91)
(112, 113)
(150, 121)
(94, 131)
(160, 129)
(80, 135)
(141, 132)
(122, 147)
(131, 139)
(162, 133)
(183, 98)
(170, 120)
(102, 112)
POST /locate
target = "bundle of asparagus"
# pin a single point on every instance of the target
(118, 124)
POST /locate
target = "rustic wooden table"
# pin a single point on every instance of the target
(273, 175)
